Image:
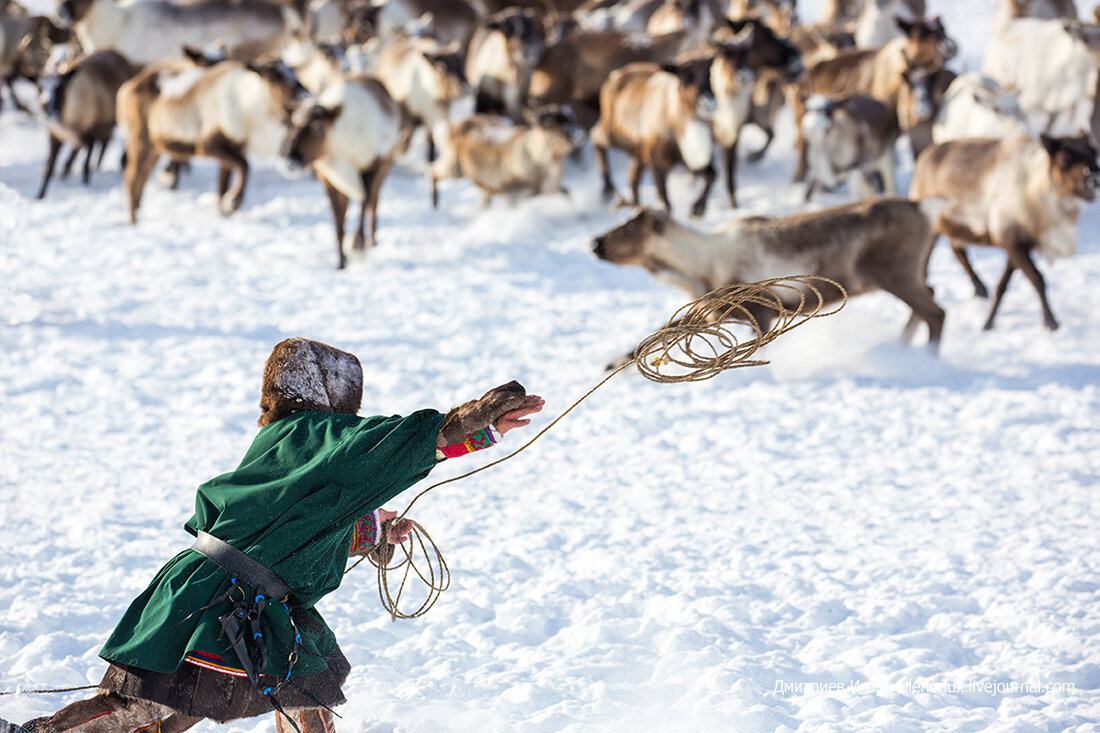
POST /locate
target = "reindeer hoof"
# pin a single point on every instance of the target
(229, 204)
(1051, 324)
(698, 209)
(981, 292)
(988, 325)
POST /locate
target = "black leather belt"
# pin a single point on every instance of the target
(241, 566)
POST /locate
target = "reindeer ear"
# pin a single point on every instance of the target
(1052, 144)
(195, 55)
(905, 25)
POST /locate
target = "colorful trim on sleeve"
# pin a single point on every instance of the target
(206, 660)
(482, 439)
(365, 534)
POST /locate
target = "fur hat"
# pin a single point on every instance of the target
(304, 375)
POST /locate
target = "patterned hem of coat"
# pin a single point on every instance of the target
(202, 692)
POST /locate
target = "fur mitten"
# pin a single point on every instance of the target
(476, 414)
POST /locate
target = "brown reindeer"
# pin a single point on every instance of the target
(878, 72)
(225, 112)
(501, 58)
(1018, 194)
(776, 64)
(878, 244)
(80, 108)
(500, 156)
(660, 116)
(920, 101)
(573, 69)
(350, 137)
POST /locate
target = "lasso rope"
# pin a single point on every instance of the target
(696, 344)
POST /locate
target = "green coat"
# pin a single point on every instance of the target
(292, 505)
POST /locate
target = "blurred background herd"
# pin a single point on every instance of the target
(502, 93)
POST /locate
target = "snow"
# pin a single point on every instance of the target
(856, 537)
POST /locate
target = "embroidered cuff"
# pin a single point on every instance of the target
(482, 439)
(365, 534)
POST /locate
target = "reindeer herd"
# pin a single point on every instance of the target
(1003, 157)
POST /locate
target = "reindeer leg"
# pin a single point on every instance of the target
(659, 171)
(373, 192)
(86, 174)
(229, 155)
(730, 161)
(339, 203)
(102, 151)
(600, 142)
(139, 164)
(224, 176)
(68, 167)
(959, 249)
(635, 175)
(1021, 255)
(1002, 286)
(918, 297)
(367, 178)
(55, 146)
(700, 206)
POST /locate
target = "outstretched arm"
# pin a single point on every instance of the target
(476, 425)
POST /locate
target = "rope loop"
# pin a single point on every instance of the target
(699, 342)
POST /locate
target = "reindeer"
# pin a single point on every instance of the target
(151, 30)
(25, 42)
(919, 103)
(853, 135)
(878, 73)
(1018, 194)
(816, 43)
(779, 15)
(732, 81)
(79, 108)
(876, 25)
(451, 21)
(776, 64)
(500, 59)
(697, 17)
(225, 112)
(660, 116)
(500, 156)
(877, 244)
(350, 137)
(424, 78)
(976, 106)
(1053, 65)
(573, 69)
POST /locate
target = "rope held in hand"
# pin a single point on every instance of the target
(699, 342)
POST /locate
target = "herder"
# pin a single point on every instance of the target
(228, 629)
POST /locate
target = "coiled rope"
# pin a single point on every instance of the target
(699, 342)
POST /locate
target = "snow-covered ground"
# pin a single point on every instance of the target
(857, 537)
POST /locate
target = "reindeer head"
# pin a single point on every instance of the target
(449, 63)
(73, 11)
(559, 118)
(731, 62)
(767, 50)
(695, 88)
(628, 243)
(927, 41)
(283, 82)
(919, 103)
(1086, 33)
(310, 129)
(360, 20)
(524, 32)
(1073, 165)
